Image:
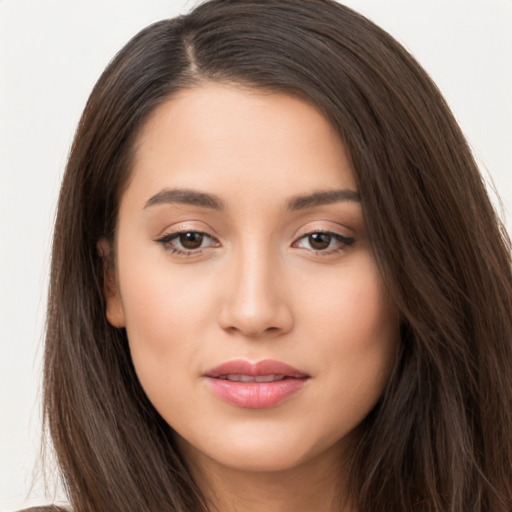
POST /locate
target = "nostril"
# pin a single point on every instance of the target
(255, 333)
(249, 312)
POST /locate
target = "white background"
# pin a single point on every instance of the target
(52, 52)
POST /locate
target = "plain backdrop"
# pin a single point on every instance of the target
(51, 54)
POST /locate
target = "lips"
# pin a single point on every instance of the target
(256, 386)
(238, 377)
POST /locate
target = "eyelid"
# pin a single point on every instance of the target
(324, 227)
(169, 234)
(343, 241)
(185, 226)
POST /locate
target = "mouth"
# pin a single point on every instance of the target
(255, 386)
(238, 377)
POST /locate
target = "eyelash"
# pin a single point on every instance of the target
(167, 242)
(343, 242)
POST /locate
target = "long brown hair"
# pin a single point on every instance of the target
(440, 438)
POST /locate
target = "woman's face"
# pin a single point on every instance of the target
(258, 322)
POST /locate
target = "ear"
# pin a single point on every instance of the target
(114, 310)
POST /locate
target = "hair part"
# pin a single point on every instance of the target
(440, 437)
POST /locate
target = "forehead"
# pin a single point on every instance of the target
(226, 138)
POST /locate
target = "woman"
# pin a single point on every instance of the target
(277, 280)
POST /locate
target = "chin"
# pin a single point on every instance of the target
(261, 460)
(261, 450)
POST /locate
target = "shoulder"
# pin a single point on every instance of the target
(46, 508)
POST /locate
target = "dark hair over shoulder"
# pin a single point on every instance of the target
(440, 439)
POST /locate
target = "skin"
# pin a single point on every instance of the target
(255, 289)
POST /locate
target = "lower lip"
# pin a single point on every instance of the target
(256, 395)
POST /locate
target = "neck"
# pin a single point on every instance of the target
(312, 486)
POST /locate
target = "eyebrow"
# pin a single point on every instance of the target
(322, 198)
(193, 197)
(185, 196)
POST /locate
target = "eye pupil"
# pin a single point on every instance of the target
(191, 240)
(319, 241)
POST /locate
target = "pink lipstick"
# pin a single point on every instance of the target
(255, 386)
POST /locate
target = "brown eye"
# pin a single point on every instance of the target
(191, 240)
(324, 242)
(187, 243)
(319, 241)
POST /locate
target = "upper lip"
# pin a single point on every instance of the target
(261, 368)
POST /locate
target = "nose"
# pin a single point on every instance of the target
(255, 301)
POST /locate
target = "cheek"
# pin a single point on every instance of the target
(165, 323)
(356, 331)
(352, 309)
(166, 312)
(157, 297)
